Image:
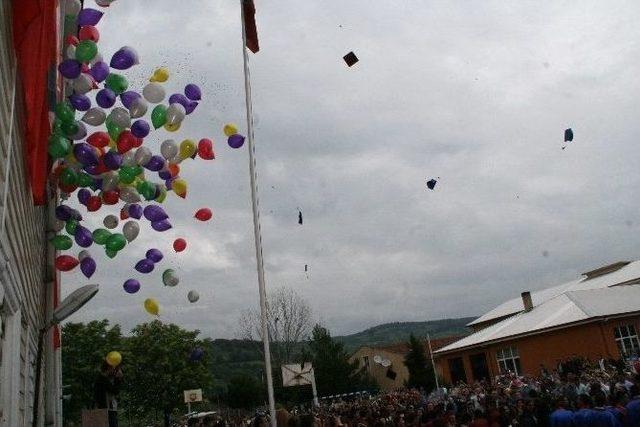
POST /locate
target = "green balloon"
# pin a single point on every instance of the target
(110, 253)
(70, 128)
(70, 25)
(59, 146)
(116, 242)
(101, 235)
(62, 242)
(116, 83)
(57, 127)
(84, 180)
(159, 116)
(69, 177)
(127, 174)
(86, 50)
(65, 112)
(147, 189)
(71, 226)
(113, 130)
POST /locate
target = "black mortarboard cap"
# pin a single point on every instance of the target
(568, 135)
(350, 58)
(391, 374)
(431, 184)
(300, 217)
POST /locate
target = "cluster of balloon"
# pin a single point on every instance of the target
(114, 359)
(100, 150)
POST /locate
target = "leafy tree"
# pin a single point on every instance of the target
(334, 372)
(420, 370)
(158, 368)
(244, 391)
(84, 347)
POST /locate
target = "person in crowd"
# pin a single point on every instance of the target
(561, 417)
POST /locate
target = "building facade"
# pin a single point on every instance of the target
(597, 316)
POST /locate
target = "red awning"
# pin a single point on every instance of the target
(35, 39)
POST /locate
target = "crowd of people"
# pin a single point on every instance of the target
(576, 394)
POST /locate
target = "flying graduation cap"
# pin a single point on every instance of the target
(306, 268)
(299, 217)
(350, 58)
(431, 184)
(568, 135)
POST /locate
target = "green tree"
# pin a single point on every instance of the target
(334, 372)
(420, 370)
(244, 391)
(158, 368)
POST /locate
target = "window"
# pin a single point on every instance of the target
(365, 360)
(509, 360)
(627, 340)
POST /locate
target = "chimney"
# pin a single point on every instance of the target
(526, 301)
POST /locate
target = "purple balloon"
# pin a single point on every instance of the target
(144, 266)
(99, 71)
(164, 174)
(83, 195)
(112, 160)
(88, 267)
(128, 97)
(124, 58)
(140, 128)
(135, 211)
(163, 225)
(98, 183)
(193, 92)
(83, 236)
(178, 98)
(156, 163)
(154, 255)
(131, 286)
(88, 16)
(106, 98)
(80, 102)
(190, 107)
(236, 140)
(76, 215)
(91, 169)
(70, 68)
(63, 212)
(196, 354)
(154, 213)
(169, 183)
(85, 154)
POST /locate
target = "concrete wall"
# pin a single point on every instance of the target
(593, 341)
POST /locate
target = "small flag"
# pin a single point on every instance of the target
(250, 31)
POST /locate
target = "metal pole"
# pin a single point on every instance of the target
(433, 364)
(313, 388)
(256, 225)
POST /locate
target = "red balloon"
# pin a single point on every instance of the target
(204, 214)
(66, 263)
(205, 149)
(94, 203)
(98, 139)
(101, 168)
(179, 245)
(85, 69)
(138, 142)
(71, 39)
(126, 141)
(123, 214)
(174, 169)
(67, 188)
(110, 197)
(89, 32)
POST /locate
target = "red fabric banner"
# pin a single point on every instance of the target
(250, 25)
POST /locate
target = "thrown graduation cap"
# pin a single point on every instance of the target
(350, 58)
(306, 267)
(431, 184)
(568, 135)
(300, 217)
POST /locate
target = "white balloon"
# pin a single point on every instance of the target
(169, 149)
(176, 159)
(138, 108)
(129, 195)
(175, 114)
(153, 92)
(95, 116)
(70, 52)
(84, 254)
(97, 58)
(143, 155)
(110, 221)
(81, 133)
(131, 230)
(72, 7)
(170, 279)
(193, 296)
(83, 83)
(120, 117)
(109, 181)
(129, 158)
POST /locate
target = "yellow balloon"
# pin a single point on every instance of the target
(187, 148)
(179, 186)
(114, 358)
(230, 129)
(172, 127)
(160, 75)
(152, 306)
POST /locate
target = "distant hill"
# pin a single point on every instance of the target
(389, 333)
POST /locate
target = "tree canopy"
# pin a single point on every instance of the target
(420, 369)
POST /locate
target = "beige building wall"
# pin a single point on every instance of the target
(365, 355)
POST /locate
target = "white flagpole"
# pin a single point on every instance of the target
(256, 225)
(433, 364)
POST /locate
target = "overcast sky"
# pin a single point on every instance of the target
(476, 93)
